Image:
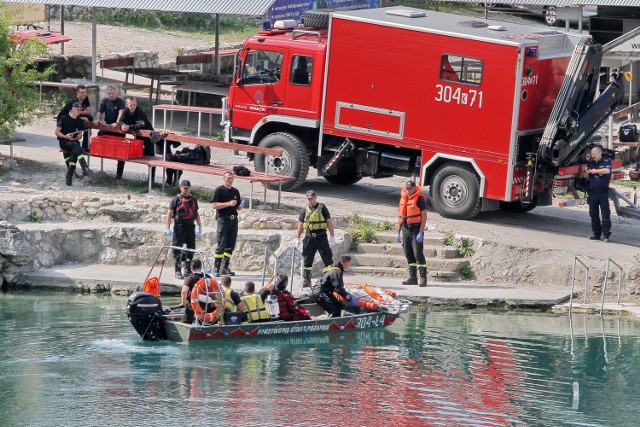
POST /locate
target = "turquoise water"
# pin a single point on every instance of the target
(74, 360)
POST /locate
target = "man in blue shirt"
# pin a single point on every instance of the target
(599, 174)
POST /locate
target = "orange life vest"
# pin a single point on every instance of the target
(408, 210)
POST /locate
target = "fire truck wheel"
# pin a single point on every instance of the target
(455, 192)
(318, 18)
(293, 162)
(347, 173)
(517, 207)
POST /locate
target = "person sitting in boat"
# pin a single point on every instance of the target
(189, 282)
(234, 312)
(253, 304)
(289, 310)
(330, 282)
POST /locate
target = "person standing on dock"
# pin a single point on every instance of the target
(183, 209)
(227, 202)
(412, 219)
(598, 173)
(315, 220)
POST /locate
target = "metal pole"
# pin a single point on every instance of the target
(586, 285)
(94, 43)
(293, 260)
(610, 136)
(604, 288)
(573, 281)
(264, 265)
(217, 58)
(62, 28)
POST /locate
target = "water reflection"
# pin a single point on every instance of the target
(75, 359)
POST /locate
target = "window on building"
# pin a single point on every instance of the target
(461, 69)
(301, 67)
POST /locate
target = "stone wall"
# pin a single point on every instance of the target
(55, 230)
(67, 67)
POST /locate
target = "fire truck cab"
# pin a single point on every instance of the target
(459, 103)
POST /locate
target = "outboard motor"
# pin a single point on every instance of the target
(144, 311)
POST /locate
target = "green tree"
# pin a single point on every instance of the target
(19, 97)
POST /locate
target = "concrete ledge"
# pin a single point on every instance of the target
(609, 308)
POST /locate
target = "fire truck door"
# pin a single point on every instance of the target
(262, 88)
(301, 79)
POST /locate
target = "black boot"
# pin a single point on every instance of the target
(119, 169)
(187, 267)
(224, 269)
(85, 167)
(70, 172)
(216, 266)
(306, 283)
(179, 272)
(153, 175)
(422, 273)
(170, 174)
(413, 279)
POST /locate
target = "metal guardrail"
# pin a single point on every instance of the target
(573, 280)
(294, 253)
(606, 280)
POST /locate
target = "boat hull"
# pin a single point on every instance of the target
(182, 332)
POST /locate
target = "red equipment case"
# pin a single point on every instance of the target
(116, 147)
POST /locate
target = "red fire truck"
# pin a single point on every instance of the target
(487, 114)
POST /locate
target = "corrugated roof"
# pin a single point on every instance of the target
(222, 7)
(635, 3)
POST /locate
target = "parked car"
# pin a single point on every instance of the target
(550, 13)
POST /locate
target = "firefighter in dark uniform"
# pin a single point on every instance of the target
(183, 209)
(189, 282)
(599, 174)
(85, 113)
(330, 282)
(412, 218)
(315, 220)
(111, 109)
(227, 202)
(69, 131)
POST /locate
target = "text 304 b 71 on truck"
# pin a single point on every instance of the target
(487, 114)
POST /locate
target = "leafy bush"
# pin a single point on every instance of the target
(449, 239)
(363, 231)
(467, 271)
(466, 247)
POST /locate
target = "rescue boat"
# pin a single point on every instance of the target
(379, 308)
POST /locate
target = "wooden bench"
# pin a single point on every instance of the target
(264, 178)
(152, 161)
(185, 108)
(125, 64)
(9, 142)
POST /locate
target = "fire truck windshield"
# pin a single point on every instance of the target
(262, 66)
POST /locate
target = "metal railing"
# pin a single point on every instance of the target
(294, 252)
(606, 280)
(573, 280)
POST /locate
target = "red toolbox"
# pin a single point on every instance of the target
(116, 147)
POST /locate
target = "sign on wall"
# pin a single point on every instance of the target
(25, 13)
(295, 9)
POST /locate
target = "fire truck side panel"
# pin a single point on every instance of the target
(541, 81)
(387, 86)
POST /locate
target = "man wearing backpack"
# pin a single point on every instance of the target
(183, 208)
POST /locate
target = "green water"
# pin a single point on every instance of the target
(74, 360)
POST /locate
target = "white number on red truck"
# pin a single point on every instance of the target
(471, 97)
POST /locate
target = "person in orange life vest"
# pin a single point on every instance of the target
(289, 310)
(412, 218)
(187, 287)
(183, 209)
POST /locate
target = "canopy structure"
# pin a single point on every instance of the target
(214, 7)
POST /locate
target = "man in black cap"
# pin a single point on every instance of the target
(315, 220)
(412, 219)
(227, 202)
(183, 208)
(69, 131)
(86, 113)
